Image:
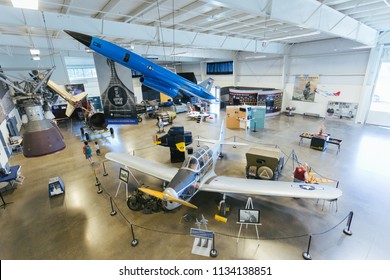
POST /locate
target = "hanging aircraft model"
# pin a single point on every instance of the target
(153, 75)
(326, 93)
(197, 174)
(94, 120)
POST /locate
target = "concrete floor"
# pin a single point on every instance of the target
(78, 224)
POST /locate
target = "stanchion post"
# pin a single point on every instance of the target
(213, 251)
(97, 183)
(113, 212)
(347, 230)
(234, 146)
(134, 242)
(104, 170)
(306, 255)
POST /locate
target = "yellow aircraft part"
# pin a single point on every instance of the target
(166, 197)
(220, 218)
(181, 146)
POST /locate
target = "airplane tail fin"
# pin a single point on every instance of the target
(337, 93)
(69, 109)
(207, 84)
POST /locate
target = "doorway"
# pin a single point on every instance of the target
(379, 113)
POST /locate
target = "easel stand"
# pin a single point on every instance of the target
(126, 183)
(249, 205)
(126, 188)
(4, 203)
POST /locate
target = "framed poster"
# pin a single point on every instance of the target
(304, 88)
(341, 110)
(248, 216)
(124, 175)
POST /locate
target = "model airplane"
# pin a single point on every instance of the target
(196, 115)
(73, 101)
(153, 75)
(326, 93)
(197, 174)
(94, 120)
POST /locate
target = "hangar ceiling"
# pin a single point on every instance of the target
(192, 30)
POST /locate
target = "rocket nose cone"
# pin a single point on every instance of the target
(82, 38)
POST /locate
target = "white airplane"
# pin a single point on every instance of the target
(196, 114)
(326, 93)
(197, 174)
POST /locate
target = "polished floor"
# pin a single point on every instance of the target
(79, 224)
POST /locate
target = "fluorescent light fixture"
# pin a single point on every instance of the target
(294, 36)
(36, 58)
(363, 47)
(35, 52)
(255, 57)
(25, 4)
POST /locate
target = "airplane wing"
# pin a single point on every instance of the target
(149, 167)
(66, 95)
(223, 184)
(222, 142)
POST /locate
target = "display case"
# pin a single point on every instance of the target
(56, 186)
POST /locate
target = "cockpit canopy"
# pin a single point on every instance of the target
(198, 159)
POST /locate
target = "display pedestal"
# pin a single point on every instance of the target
(56, 186)
(319, 143)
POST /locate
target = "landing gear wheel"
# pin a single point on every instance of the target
(133, 203)
(222, 209)
(82, 130)
(213, 253)
(139, 119)
(111, 130)
(86, 136)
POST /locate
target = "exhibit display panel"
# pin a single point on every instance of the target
(268, 97)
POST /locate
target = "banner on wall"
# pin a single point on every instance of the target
(117, 93)
(341, 110)
(304, 88)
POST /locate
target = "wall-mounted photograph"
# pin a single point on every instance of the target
(304, 88)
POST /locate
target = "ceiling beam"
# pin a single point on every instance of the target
(310, 14)
(111, 4)
(130, 32)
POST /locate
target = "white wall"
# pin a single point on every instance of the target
(337, 72)
(339, 67)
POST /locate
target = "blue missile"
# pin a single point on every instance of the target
(153, 75)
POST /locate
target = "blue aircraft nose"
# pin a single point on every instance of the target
(82, 38)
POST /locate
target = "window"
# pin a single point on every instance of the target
(220, 68)
(81, 72)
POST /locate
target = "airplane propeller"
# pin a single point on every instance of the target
(166, 197)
